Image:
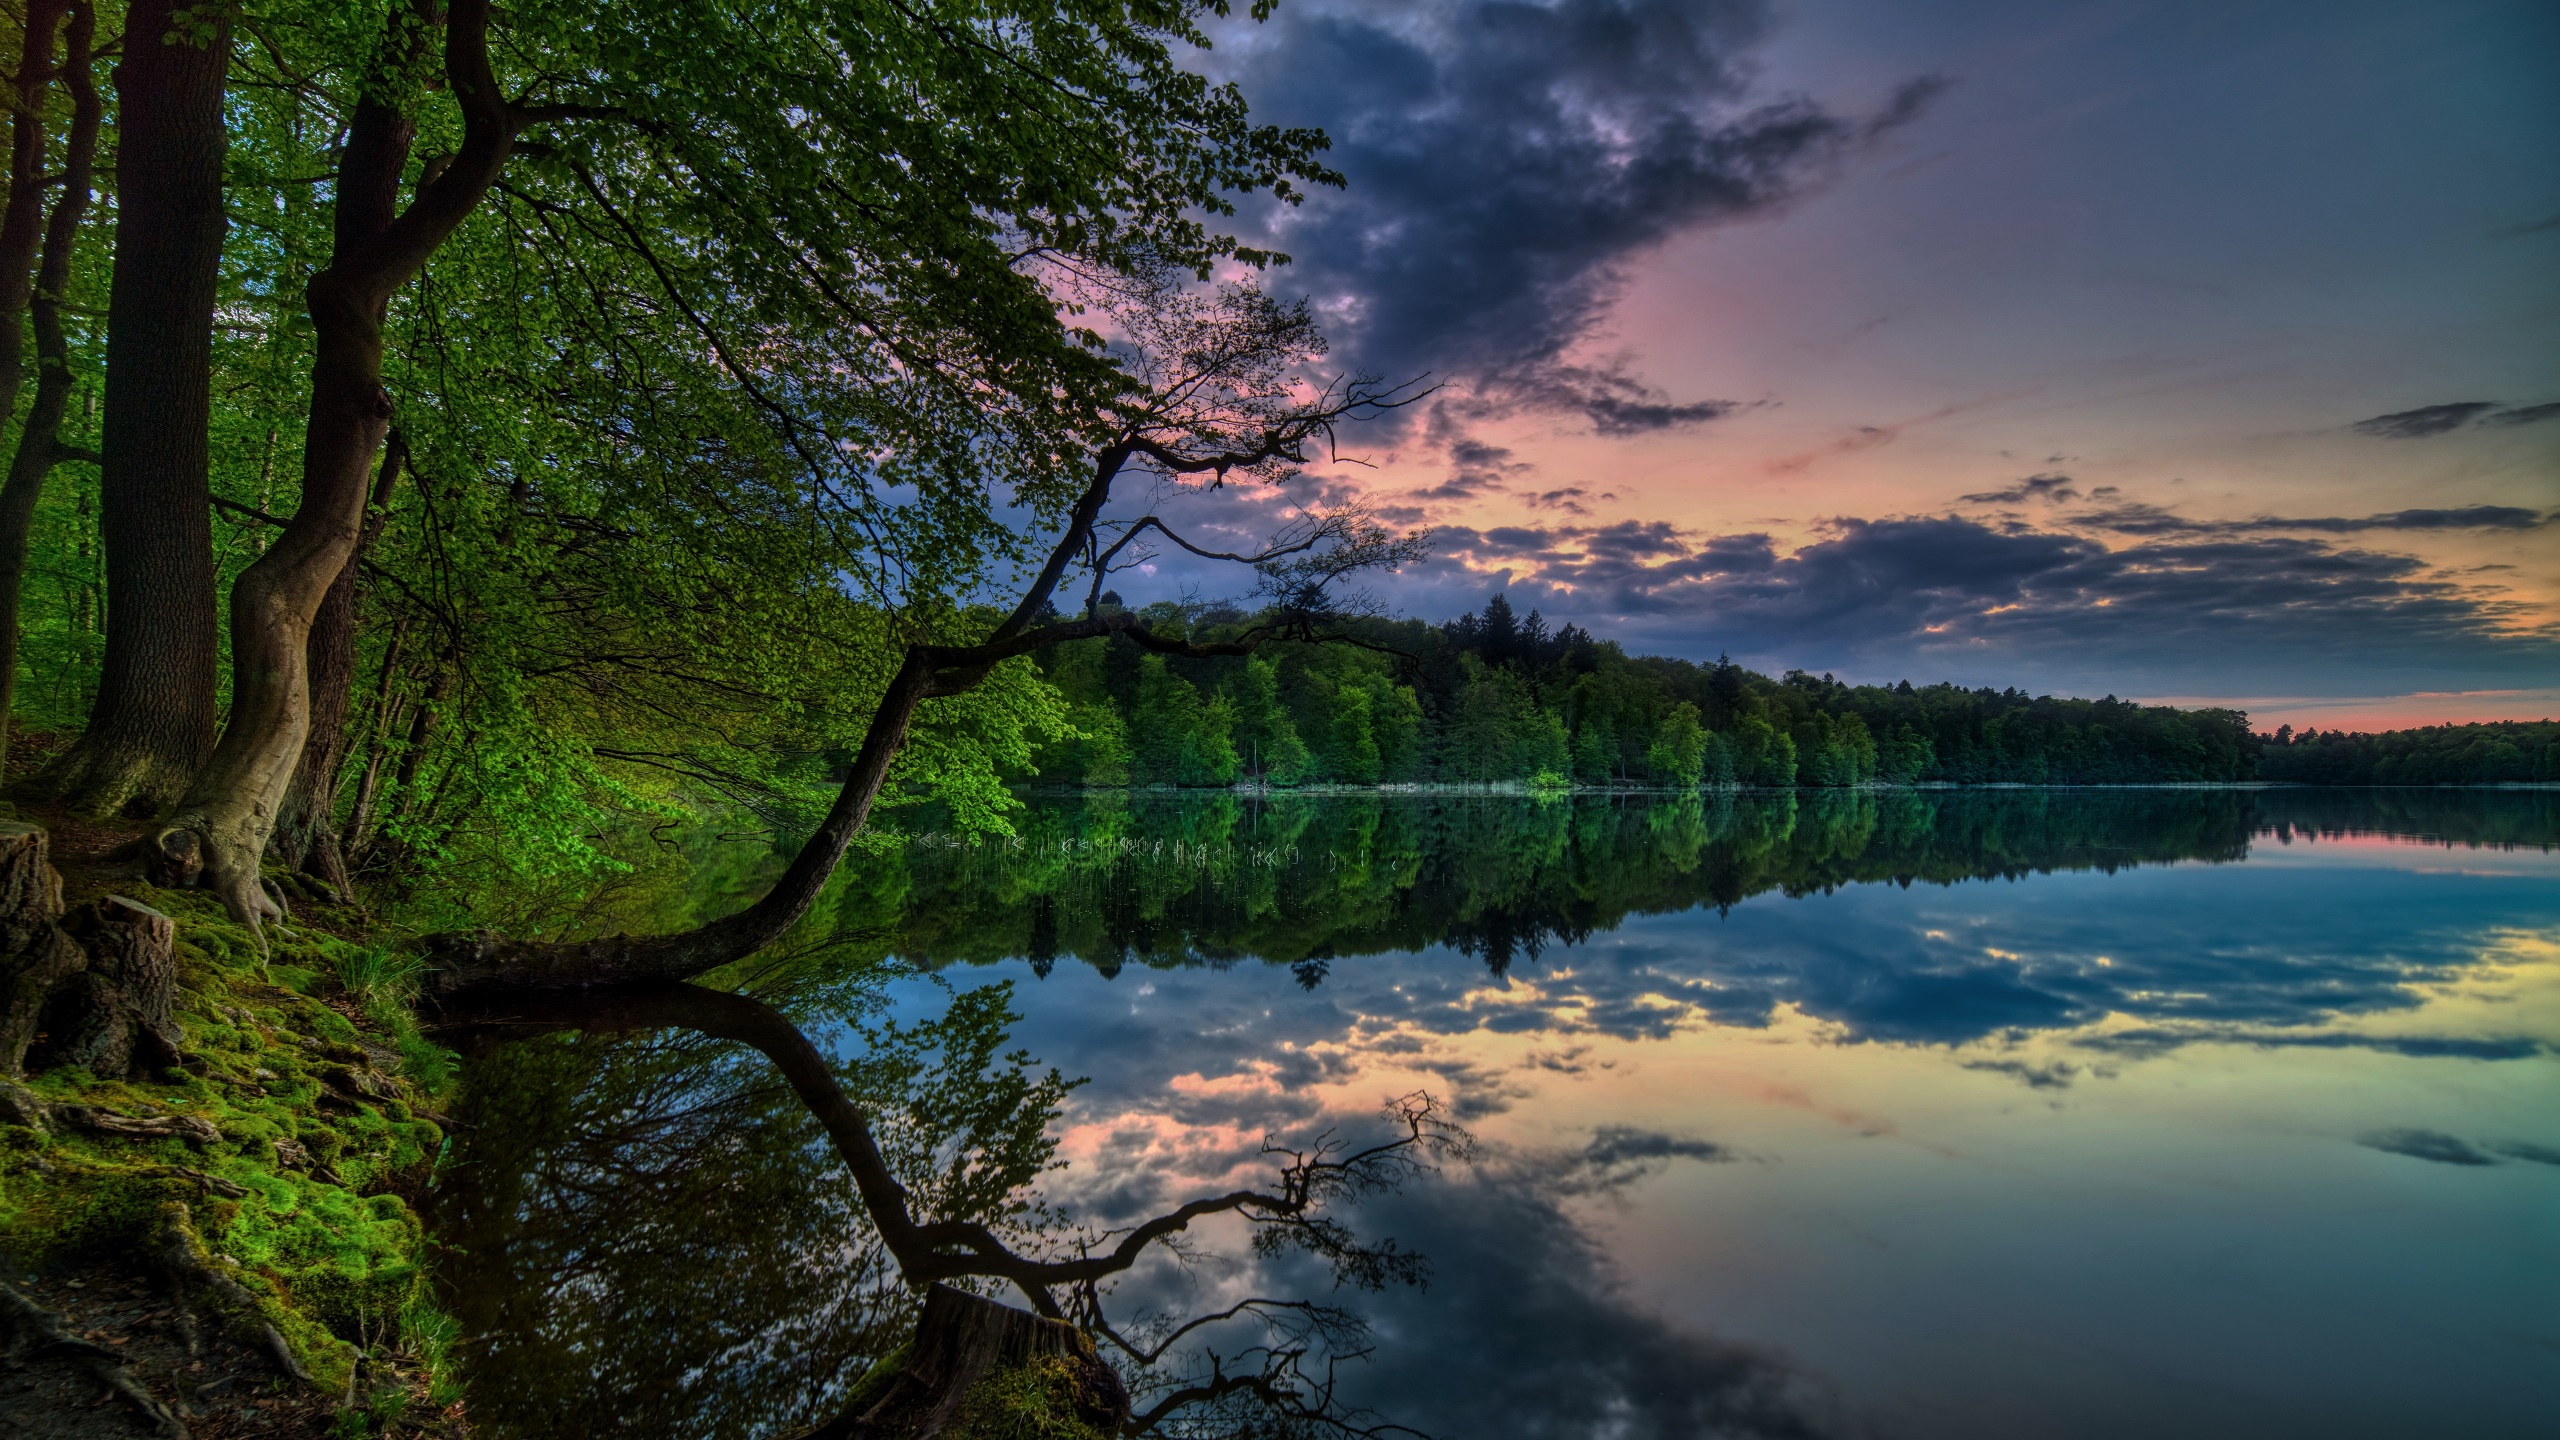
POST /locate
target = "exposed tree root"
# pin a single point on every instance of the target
(34, 1331)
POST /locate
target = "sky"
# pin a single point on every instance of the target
(2188, 353)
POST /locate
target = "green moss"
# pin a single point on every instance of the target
(326, 1263)
(1036, 1401)
(866, 1392)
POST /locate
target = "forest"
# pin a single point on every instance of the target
(1493, 697)
(2503, 752)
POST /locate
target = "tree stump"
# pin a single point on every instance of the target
(100, 986)
(963, 1339)
(121, 1012)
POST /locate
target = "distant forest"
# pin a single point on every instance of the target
(1495, 698)
(2501, 752)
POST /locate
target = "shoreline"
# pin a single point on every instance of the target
(1521, 789)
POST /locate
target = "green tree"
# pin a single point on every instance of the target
(1595, 752)
(1208, 751)
(1266, 738)
(1167, 720)
(1678, 755)
(1351, 743)
(1395, 717)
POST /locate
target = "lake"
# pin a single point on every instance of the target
(1930, 1114)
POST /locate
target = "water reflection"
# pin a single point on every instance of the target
(1789, 1130)
(648, 1237)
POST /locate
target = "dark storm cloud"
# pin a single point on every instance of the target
(2526, 1150)
(1918, 594)
(2135, 519)
(2425, 421)
(1507, 159)
(2432, 1145)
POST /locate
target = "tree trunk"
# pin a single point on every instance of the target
(962, 1339)
(39, 440)
(22, 221)
(386, 711)
(231, 809)
(154, 718)
(308, 827)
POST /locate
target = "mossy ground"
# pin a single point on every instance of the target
(309, 1043)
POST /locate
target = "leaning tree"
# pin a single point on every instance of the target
(1218, 396)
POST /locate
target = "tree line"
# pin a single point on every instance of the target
(2502, 752)
(1493, 697)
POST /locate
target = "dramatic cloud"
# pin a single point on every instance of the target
(2424, 421)
(1948, 597)
(2426, 1145)
(1506, 159)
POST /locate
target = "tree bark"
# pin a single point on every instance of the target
(232, 808)
(22, 221)
(37, 956)
(39, 441)
(154, 718)
(308, 827)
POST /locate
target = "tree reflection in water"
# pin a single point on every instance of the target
(1160, 878)
(645, 1234)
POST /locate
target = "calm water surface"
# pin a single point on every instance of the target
(1990, 1114)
